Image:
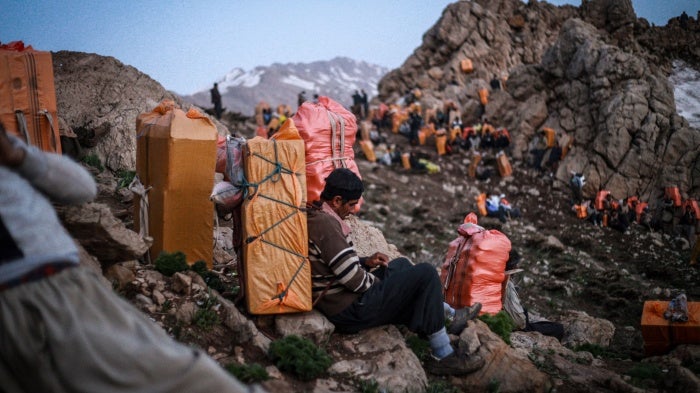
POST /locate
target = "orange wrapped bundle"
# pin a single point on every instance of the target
(328, 130)
(474, 268)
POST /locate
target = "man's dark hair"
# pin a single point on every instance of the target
(343, 182)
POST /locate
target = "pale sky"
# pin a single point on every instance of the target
(187, 45)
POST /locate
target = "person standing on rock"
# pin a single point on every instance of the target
(61, 330)
(216, 100)
(360, 293)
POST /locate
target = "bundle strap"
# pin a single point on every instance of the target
(22, 123)
(46, 113)
(139, 189)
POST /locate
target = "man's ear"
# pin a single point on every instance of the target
(336, 202)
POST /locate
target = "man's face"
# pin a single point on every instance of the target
(343, 208)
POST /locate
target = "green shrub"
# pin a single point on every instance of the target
(199, 267)
(94, 161)
(419, 346)
(210, 278)
(643, 373)
(125, 177)
(248, 373)
(206, 317)
(494, 386)
(169, 264)
(299, 356)
(500, 324)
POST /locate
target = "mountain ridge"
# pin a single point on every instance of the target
(280, 83)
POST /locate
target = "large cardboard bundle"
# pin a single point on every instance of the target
(275, 247)
(661, 335)
(176, 157)
(28, 95)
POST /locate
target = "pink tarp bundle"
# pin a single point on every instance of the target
(474, 268)
(328, 130)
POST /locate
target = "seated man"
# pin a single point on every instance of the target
(395, 292)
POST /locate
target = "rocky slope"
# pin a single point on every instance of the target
(592, 280)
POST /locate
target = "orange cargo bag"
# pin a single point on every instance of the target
(483, 96)
(474, 268)
(600, 197)
(28, 96)
(276, 269)
(504, 167)
(694, 206)
(466, 66)
(674, 194)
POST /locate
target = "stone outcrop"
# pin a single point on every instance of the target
(101, 234)
(588, 72)
(99, 98)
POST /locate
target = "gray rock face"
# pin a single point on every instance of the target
(594, 72)
(99, 98)
(102, 234)
(620, 112)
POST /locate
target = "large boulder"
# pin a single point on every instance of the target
(99, 98)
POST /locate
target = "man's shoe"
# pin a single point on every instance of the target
(462, 316)
(454, 364)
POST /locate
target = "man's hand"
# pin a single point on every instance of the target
(377, 259)
(10, 155)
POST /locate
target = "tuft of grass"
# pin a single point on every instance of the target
(94, 161)
(500, 323)
(419, 346)
(206, 316)
(368, 386)
(248, 373)
(299, 356)
(598, 351)
(440, 387)
(171, 263)
(125, 178)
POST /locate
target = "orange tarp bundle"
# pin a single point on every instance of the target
(180, 212)
(474, 268)
(599, 198)
(481, 204)
(368, 150)
(504, 167)
(549, 134)
(441, 141)
(28, 96)
(660, 334)
(466, 66)
(471, 171)
(483, 96)
(275, 247)
(693, 205)
(675, 195)
(328, 130)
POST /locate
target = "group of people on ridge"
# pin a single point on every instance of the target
(670, 214)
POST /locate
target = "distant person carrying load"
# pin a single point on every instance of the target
(62, 330)
(216, 100)
(360, 293)
(576, 184)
